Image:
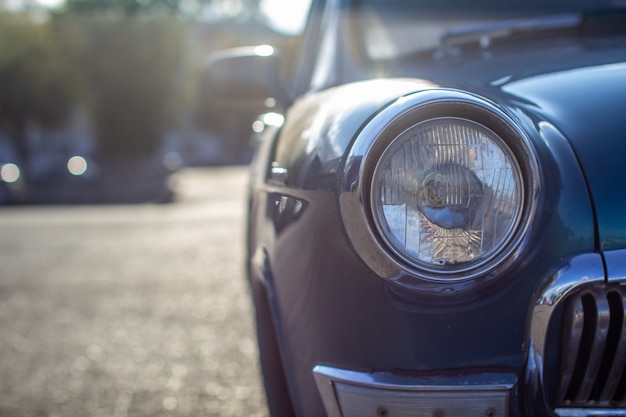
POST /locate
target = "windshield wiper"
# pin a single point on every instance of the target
(589, 24)
(485, 33)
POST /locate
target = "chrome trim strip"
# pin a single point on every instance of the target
(332, 382)
(580, 272)
(590, 412)
(325, 385)
(389, 381)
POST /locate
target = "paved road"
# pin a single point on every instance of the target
(129, 310)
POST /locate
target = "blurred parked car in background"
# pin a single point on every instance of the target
(437, 225)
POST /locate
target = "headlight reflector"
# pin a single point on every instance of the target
(446, 194)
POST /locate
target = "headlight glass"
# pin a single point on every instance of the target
(446, 195)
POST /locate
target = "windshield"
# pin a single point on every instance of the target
(390, 28)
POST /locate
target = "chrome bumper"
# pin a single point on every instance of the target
(351, 394)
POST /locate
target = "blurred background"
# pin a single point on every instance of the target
(101, 99)
(122, 204)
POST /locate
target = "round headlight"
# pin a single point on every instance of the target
(438, 194)
(446, 194)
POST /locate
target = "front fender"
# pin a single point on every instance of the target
(320, 127)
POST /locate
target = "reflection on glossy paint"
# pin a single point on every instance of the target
(325, 133)
(286, 210)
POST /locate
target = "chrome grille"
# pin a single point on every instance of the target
(593, 356)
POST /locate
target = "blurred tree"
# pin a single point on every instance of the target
(37, 85)
(128, 58)
(135, 76)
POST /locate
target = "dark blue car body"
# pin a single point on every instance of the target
(347, 326)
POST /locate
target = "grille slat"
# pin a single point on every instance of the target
(572, 335)
(618, 367)
(602, 321)
(593, 355)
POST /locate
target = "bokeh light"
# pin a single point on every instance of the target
(10, 173)
(264, 50)
(77, 165)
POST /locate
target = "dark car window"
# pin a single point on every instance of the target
(390, 28)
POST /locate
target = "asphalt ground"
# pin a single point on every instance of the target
(129, 310)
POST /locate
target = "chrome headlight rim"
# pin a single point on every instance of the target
(357, 208)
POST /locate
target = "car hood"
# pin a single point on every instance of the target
(588, 105)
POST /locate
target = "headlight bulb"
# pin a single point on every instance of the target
(447, 193)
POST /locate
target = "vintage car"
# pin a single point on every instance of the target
(437, 209)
